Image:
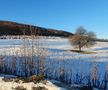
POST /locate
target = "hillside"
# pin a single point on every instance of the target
(13, 28)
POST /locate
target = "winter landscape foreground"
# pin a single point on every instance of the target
(57, 62)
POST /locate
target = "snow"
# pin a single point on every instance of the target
(9, 85)
(58, 50)
(58, 54)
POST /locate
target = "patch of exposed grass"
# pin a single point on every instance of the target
(39, 88)
(19, 88)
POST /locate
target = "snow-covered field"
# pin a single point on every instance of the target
(60, 57)
(58, 47)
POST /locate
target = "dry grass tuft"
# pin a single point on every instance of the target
(20, 88)
(39, 88)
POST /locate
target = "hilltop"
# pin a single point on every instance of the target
(14, 28)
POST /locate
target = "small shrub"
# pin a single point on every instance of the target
(35, 78)
(39, 88)
(7, 79)
(20, 88)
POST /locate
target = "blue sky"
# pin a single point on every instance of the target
(59, 14)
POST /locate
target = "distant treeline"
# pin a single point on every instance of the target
(102, 40)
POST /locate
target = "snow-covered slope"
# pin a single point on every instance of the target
(12, 85)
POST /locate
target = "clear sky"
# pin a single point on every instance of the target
(59, 14)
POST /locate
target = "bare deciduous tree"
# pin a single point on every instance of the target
(82, 38)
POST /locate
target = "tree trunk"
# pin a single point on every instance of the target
(80, 47)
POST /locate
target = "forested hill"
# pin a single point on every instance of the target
(14, 28)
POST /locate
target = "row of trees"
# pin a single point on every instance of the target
(82, 38)
(28, 59)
